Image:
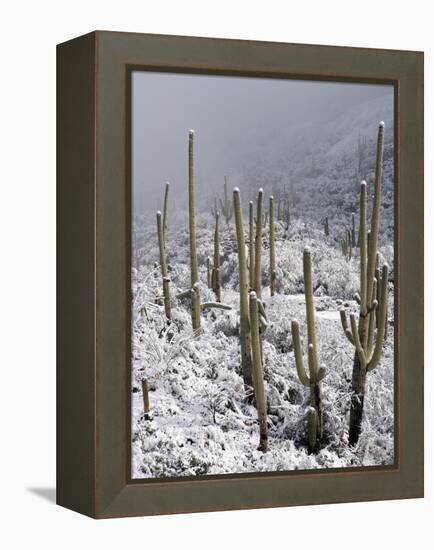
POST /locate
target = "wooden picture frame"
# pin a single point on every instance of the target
(94, 197)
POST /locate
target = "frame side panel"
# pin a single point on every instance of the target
(76, 274)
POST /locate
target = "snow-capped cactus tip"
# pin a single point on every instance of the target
(382, 123)
(307, 250)
(252, 294)
(158, 212)
(236, 189)
(260, 190)
(191, 133)
(363, 183)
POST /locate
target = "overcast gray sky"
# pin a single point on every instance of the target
(234, 119)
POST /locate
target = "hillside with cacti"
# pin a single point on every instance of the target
(262, 318)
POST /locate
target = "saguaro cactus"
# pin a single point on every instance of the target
(194, 292)
(251, 247)
(191, 210)
(246, 357)
(226, 205)
(146, 405)
(258, 245)
(353, 232)
(326, 227)
(163, 266)
(165, 210)
(272, 249)
(216, 278)
(362, 334)
(208, 272)
(316, 373)
(258, 373)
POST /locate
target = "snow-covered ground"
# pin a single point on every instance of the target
(201, 422)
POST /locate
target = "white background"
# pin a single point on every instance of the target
(29, 33)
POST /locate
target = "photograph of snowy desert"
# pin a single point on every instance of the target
(262, 275)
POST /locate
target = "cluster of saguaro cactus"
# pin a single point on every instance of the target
(316, 373)
(226, 204)
(253, 321)
(368, 332)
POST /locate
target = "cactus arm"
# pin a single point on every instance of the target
(375, 221)
(191, 209)
(298, 354)
(184, 294)
(258, 374)
(258, 244)
(215, 305)
(382, 316)
(261, 309)
(272, 249)
(363, 249)
(321, 373)
(372, 321)
(345, 326)
(355, 334)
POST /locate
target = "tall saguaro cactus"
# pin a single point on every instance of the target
(316, 373)
(246, 357)
(194, 292)
(258, 373)
(258, 245)
(373, 300)
(272, 249)
(163, 266)
(251, 247)
(226, 205)
(191, 210)
(216, 278)
(165, 210)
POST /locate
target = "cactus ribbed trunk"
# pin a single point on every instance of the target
(272, 249)
(258, 246)
(165, 210)
(145, 394)
(194, 277)
(251, 248)
(191, 210)
(163, 266)
(258, 373)
(246, 357)
(217, 276)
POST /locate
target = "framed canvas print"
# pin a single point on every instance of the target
(240, 274)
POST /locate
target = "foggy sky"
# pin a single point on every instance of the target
(233, 119)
